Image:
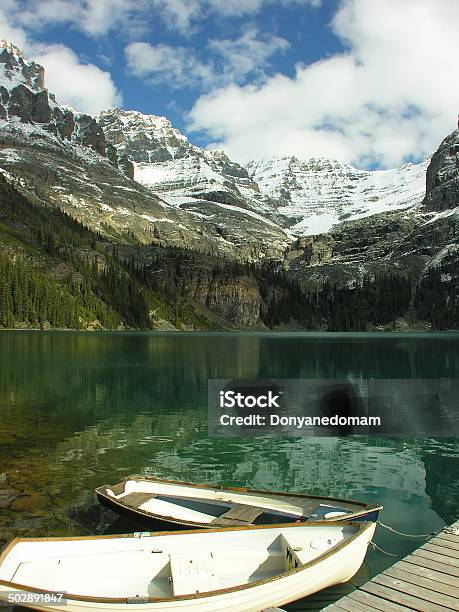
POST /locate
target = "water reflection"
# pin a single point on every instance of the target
(80, 410)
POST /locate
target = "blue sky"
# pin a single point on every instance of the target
(368, 82)
(305, 29)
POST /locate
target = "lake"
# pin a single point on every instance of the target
(78, 410)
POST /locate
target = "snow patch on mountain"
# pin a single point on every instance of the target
(449, 212)
(181, 173)
(178, 174)
(300, 197)
(18, 71)
(164, 158)
(317, 194)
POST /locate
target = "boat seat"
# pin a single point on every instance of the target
(37, 573)
(239, 514)
(193, 572)
(117, 489)
(297, 553)
(135, 500)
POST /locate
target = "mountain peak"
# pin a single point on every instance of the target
(15, 70)
(134, 118)
(145, 138)
(10, 48)
(24, 99)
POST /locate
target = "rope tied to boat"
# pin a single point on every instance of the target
(385, 552)
(408, 535)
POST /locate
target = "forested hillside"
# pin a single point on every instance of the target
(56, 273)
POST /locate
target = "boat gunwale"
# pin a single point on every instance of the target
(102, 492)
(361, 527)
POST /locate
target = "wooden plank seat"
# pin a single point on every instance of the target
(118, 489)
(135, 500)
(193, 572)
(239, 514)
(306, 504)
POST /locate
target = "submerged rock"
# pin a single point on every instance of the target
(29, 502)
(6, 497)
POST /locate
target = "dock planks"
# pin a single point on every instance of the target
(427, 580)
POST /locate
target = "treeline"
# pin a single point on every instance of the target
(93, 286)
(105, 277)
(375, 300)
(33, 299)
(437, 299)
(378, 300)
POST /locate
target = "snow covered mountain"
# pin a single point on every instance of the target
(317, 194)
(57, 156)
(304, 197)
(184, 175)
(338, 222)
(136, 179)
(164, 158)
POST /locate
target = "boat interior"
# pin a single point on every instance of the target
(223, 507)
(169, 565)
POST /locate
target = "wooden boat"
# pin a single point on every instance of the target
(153, 502)
(242, 569)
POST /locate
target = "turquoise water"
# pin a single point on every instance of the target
(81, 409)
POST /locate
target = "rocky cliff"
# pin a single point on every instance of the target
(23, 97)
(442, 191)
(412, 242)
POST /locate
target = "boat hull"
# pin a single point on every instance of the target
(160, 523)
(334, 567)
(353, 511)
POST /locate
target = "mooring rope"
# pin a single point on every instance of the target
(408, 535)
(376, 547)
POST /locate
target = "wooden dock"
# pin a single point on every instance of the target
(427, 580)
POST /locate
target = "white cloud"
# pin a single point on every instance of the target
(238, 8)
(232, 60)
(176, 66)
(182, 15)
(9, 31)
(249, 52)
(101, 16)
(83, 86)
(393, 95)
(96, 17)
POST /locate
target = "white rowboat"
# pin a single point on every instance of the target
(242, 569)
(156, 503)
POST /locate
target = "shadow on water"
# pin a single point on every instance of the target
(122, 525)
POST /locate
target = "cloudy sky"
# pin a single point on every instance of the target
(371, 82)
